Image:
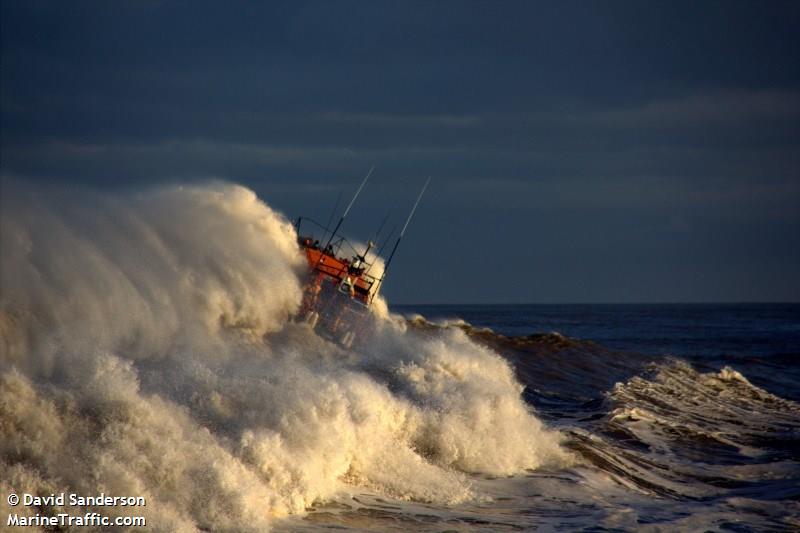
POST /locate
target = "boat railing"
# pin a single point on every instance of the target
(340, 248)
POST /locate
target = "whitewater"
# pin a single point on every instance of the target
(148, 348)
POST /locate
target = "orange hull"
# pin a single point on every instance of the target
(338, 270)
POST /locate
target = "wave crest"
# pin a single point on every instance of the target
(147, 349)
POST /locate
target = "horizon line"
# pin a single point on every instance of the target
(753, 302)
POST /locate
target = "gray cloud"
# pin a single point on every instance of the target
(636, 149)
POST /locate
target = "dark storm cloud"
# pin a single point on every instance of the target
(663, 130)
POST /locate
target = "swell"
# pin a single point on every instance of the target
(563, 376)
(657, 425)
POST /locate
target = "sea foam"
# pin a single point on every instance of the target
(147, 349)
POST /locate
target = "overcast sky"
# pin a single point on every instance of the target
(580, 151)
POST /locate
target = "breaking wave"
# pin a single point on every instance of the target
(658, 444)
(147, 348)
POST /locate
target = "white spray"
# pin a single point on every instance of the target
(146, 349)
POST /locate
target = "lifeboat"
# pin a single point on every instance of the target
(341, 284)
(338, 289)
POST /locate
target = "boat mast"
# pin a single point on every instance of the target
(402, 232)
(371, 242)
(330, 218)
(349, 206)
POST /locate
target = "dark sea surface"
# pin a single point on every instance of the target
(760, 339)
(679, 418)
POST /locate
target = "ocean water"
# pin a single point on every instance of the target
(149, 348)
(760, 339)
(682, 417)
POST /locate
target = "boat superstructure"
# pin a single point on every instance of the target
(343, 278)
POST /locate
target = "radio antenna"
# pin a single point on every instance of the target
(403, 231)
(380, 228)
(335, 208)
(386, 241)
(350, 205)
